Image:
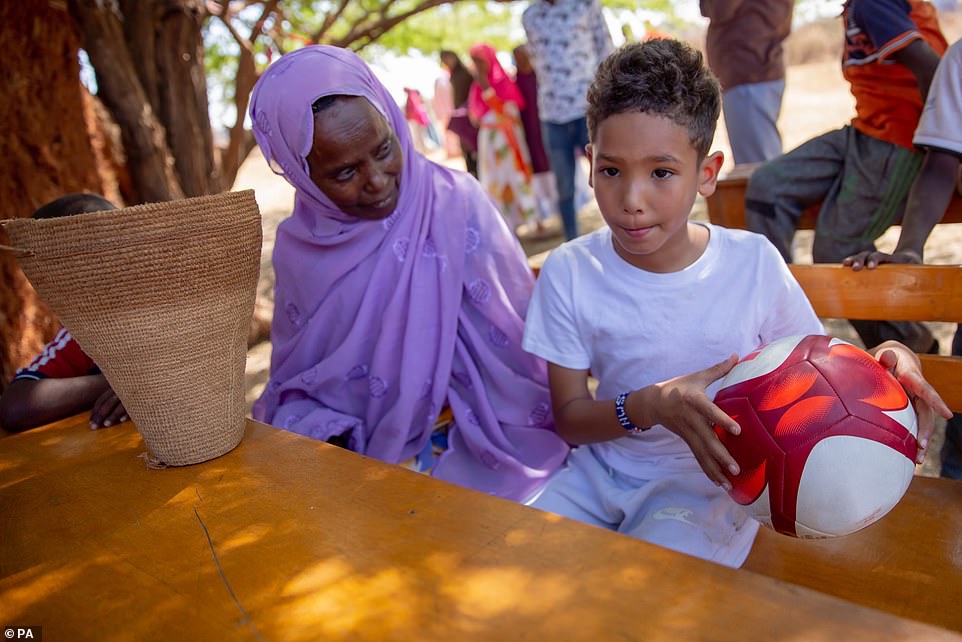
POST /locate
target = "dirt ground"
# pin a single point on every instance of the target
(816, 100)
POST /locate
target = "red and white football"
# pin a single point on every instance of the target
(828, 436)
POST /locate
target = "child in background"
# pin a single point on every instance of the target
(62, 380)
(658, 308)
(422, 130)
(860, 173)
(459, 121)
(939, 135)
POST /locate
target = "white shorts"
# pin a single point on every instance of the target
(683, 511)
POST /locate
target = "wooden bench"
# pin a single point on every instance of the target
(285, 538)
(898, 293)
(726, 206)
(910, 561)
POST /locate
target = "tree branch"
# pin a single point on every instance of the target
(259, 25)
(329, 21)
(224, 16)
(374, 31)
(149, 158)
(275, 32)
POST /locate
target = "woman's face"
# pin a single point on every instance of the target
(356, 160)
(480, 64)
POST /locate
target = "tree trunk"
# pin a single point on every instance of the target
(241, 140)
(180, 62)
(149, 160)
(166, 46)
(45, 151)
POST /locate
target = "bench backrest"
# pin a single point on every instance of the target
(897, 293)
(727, 205)
(893, 292)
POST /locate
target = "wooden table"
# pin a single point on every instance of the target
(290, 539)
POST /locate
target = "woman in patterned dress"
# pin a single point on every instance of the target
(504, 166)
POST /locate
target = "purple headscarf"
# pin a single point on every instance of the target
(378, 323)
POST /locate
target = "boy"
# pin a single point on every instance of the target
(658, 308)
(939, 135)
(62, 380)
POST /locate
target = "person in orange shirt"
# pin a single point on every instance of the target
(860, 173)
(940, 138)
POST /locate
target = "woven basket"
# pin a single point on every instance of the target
(160, 296)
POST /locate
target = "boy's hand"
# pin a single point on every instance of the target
(873, 259)
(108, 411)
(907, 369)
(682, 406)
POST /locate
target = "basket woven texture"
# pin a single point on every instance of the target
(160, 296)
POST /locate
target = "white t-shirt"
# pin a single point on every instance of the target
(940, 125)
(593, 310)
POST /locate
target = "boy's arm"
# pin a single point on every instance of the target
(921, 60)
(907, 369)
(579, 418)
(679, 404)
(28, 403)
(928, 199)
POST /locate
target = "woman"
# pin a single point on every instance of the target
(418, 120)
(543, 181)
(399, 289)
(460, 122)
(504, 167)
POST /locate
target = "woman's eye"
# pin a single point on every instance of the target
(610, 172)
(384, 150)
(344, 175)
(662, 173)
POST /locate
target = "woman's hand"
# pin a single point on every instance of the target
(907, 369)
(682, 406)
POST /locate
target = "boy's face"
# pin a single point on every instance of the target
(646, 175)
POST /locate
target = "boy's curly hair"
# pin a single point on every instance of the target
(661, 76)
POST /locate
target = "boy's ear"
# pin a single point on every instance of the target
(590, 155)
(710, 167)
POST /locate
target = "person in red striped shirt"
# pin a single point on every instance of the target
(62, 380)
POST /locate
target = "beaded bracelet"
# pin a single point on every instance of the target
(622, 415)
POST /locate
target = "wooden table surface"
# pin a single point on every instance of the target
(285, 538)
